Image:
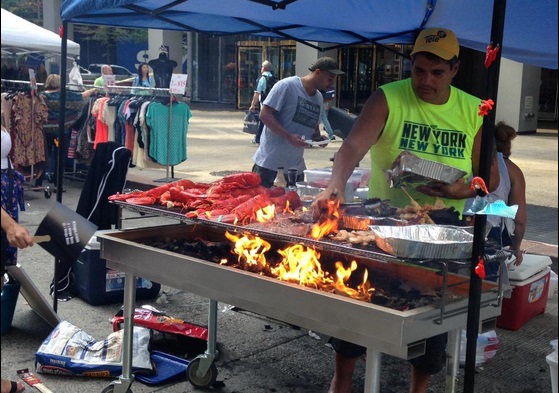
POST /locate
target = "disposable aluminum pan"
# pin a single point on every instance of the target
(408, 169)
(424, 241)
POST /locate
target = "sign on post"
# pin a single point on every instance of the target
(178, 84)
(108, 81)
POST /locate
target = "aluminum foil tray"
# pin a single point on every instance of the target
(424, 241)
(408, 169)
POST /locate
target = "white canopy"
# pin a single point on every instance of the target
(21, 37)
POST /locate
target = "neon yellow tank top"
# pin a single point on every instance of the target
(443, 133)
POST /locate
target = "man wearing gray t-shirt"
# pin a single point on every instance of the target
(291, 115)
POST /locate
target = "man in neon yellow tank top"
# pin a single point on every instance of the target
(427, 116)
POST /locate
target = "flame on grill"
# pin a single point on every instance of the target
(287, 208)
(364, 290)
(269, 212)
(328, 222)
(266, 213)
(299, 264)
(250, 250)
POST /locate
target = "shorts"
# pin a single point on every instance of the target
(266, 175)
(431, 362)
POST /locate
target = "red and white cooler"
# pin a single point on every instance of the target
(530, 284)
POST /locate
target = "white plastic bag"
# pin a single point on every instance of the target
(75, 81)
(486, 348)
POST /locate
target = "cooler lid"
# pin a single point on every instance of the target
(531, 265)
(93, 243)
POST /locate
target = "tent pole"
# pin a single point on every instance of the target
(61, 130)
(60, 151)
(487, 142)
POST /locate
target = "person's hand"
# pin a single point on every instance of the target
(519, 257)
(458, 190)
(19, 236)
(297, 140)
(320, 203)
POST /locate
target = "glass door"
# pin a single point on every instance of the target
(357, 83)
(251, 54)
(287, 61)
(366, 68)
(249, 60)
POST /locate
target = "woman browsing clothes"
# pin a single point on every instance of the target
(143, 79)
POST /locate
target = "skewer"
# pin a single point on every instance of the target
(416, 205)
(413, 201)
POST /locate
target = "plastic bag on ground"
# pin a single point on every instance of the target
(486, 348)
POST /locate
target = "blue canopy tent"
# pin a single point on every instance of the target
(526, 32)
(529, 36)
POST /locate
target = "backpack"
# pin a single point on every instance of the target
(270, 82)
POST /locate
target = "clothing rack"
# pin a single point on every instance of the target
(75, 174)
(150, 89)
(167, 178)
(46, 189)
(22, 82)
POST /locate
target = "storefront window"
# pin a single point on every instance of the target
(251, 54)
(367, 68)
(215, 68)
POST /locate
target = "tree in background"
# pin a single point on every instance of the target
(105, 38)
(31, 10)
(102, 38)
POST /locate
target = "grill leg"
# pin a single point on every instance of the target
(372, 371)
(122, 385)
(211, 353)
(452, 360)
(212, 329)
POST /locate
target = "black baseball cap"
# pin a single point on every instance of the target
(327, 64)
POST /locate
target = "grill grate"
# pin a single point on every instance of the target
(322, 244)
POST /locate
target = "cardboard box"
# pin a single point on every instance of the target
(97, 285)
(530, 285)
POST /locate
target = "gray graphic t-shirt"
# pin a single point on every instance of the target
(299, 113)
